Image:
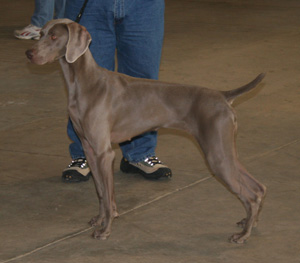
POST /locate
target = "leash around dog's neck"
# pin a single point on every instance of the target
(77, 20)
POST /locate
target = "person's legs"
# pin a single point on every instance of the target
(102, 21)
(75, 148)
(98, 18)
(140, 35)
(140, 147)
(43, 12)
(59, 9)
(140, 31)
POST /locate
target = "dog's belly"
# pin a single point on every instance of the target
(127, 135)
(118, 137)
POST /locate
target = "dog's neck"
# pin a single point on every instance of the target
(76, 77)
(85, 65)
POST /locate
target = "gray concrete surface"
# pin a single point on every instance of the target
(220, 44)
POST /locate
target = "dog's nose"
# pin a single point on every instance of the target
(29, 54)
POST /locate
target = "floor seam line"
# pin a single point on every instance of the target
(32, 153)
(254, 157)
(121, 214)
(165, 195)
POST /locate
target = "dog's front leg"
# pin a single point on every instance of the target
(101, 164)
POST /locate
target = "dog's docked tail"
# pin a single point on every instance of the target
(230, 95)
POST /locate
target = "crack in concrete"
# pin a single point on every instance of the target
(121, 214)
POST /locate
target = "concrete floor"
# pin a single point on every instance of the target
(220, 44)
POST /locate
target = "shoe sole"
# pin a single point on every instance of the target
(27, 38)
(76, 177)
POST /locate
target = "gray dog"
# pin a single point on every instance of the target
(107, 107)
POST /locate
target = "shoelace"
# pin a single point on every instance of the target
(152, 161)
(82, 163)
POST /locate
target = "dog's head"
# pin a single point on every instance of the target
(60, 38)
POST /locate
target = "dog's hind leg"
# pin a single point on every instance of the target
(256, 187)
(218, 145)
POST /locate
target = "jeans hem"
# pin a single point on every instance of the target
(140, 158)
(77, 157)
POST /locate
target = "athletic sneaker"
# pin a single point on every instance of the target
(28, 32)
(77, 171)
(150, 168)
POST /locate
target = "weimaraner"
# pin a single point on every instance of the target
(107, 107)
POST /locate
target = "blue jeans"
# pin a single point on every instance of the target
(46, 10)
(135, 29)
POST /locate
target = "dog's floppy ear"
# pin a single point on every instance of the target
(78, 43)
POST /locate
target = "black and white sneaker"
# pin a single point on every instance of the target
(150, 168)
(77, 171)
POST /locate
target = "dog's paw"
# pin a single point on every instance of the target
(101, 235)
(242, 223)
(239, 238)
(115, 214)
(96, 221)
